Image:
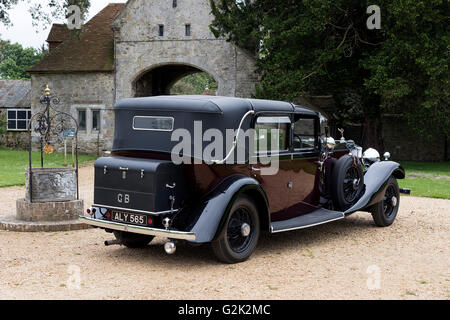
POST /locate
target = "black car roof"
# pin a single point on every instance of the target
(209, 104)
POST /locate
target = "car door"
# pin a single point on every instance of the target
(271, 160)
(304, 178)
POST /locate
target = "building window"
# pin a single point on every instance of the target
(161, 30)
(82, 120)
(18, 119)
(188, 30)
(96, 120)
(174, 3)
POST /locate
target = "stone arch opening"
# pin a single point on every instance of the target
(160, 80)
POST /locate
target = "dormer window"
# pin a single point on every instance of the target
(161, 30)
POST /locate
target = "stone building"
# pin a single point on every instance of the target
(15, 111)
(141, 48)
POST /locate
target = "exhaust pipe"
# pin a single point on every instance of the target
(112, 242)
(170, 247)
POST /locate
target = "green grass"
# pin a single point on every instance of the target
(427, 179)
(14, 162)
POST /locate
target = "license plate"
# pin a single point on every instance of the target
(129, 218)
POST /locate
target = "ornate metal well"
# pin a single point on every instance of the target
(51, 127)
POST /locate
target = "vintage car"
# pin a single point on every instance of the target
(296, 177)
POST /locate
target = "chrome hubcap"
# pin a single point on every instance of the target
(394, 201)
(245, 230)
(355, 184)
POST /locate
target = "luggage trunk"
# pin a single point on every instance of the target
(148, 185)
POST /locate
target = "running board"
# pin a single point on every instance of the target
(312, 219)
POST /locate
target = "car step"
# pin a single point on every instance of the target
(314, 218)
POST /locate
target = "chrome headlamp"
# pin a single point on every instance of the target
(370, 156)
(331, 143)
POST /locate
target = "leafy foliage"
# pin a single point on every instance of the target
(15, 60)
(38, 9)
(324, 47)
(194, 84)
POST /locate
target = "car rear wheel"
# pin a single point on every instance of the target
(240, 233)
(132, 240)
(347, 182)
(385, 212)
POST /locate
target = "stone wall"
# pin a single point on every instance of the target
(81, 91)
(405, 144)
(401, 141)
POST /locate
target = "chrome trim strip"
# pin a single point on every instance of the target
(138, 211)
(172, 234)
(307, 226)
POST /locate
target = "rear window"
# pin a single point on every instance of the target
(153, 123)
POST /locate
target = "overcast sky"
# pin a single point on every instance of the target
(23, 31)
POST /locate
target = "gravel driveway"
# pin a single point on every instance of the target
(348, 259)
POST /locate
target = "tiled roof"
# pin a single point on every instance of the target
(15, 94)
(59, 33)
(94, 51)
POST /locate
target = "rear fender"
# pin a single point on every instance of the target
(213, 213)
(376, 180)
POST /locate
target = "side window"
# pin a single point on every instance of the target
(304, 134)
(272, 134)
(82, 120)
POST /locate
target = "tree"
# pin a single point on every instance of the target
(58, 9)
(325, 47)
(194, 84)
(15, 60)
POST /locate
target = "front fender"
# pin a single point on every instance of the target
(375, 180)
(213, 211)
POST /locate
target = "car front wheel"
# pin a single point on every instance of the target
(240, 233)
(385, 212)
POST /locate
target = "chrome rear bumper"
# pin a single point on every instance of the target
(172, 234)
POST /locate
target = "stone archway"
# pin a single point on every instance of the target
(151, 42)
(159, 80)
